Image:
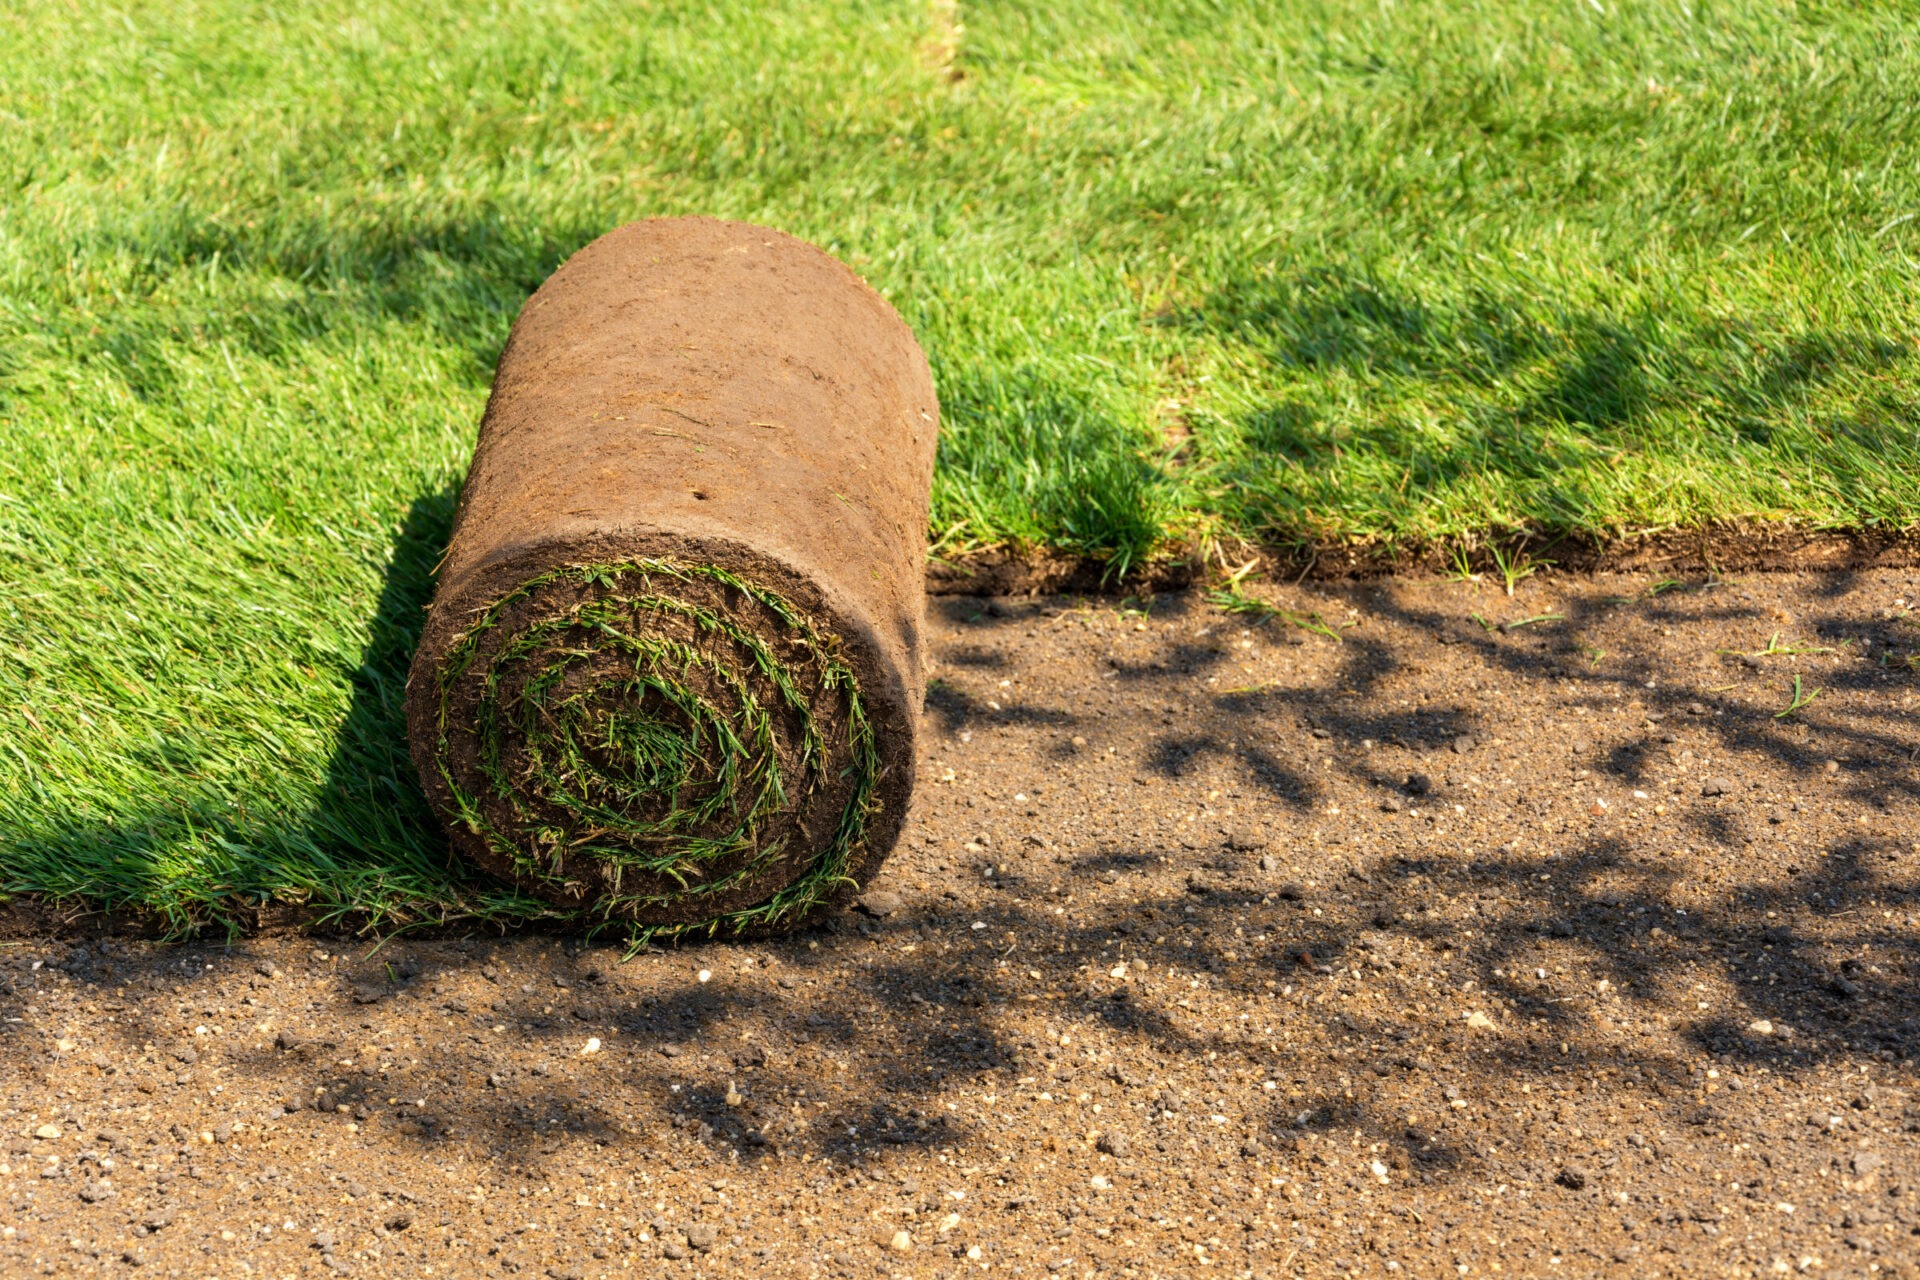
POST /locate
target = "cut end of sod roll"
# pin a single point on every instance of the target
(673, 663)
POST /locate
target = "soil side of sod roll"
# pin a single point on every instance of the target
(673, 664)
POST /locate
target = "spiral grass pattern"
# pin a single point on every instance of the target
(660, 742)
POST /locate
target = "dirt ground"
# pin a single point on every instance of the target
(1215, 947)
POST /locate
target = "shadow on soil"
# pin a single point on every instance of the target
(849, 1050)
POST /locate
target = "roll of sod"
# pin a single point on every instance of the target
(673, 662)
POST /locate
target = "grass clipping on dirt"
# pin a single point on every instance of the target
(670, 673)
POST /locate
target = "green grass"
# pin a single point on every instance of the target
(1333, 270)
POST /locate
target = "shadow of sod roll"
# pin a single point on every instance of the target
(673, 664)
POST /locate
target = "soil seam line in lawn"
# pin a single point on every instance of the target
(1725, 548)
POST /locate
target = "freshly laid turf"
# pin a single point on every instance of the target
(1337, 270)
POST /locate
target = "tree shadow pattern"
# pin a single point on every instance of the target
(1268, 1005)
(1539, 391)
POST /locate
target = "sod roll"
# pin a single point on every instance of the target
(673, 663)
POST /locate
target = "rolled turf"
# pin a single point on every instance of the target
(673, 662)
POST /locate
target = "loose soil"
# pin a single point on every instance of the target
(1438, 948)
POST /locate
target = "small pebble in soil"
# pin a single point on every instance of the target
(1716, 786)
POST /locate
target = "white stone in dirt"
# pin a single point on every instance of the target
(1479, 1021)
(1760, 1027)
(47, 1132)
(901, 1242)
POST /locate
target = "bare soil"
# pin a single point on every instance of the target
(1433, 949)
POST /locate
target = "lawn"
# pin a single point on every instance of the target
(1286, 272)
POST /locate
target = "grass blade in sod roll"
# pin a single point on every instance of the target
(670, 678)
(637, 727)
